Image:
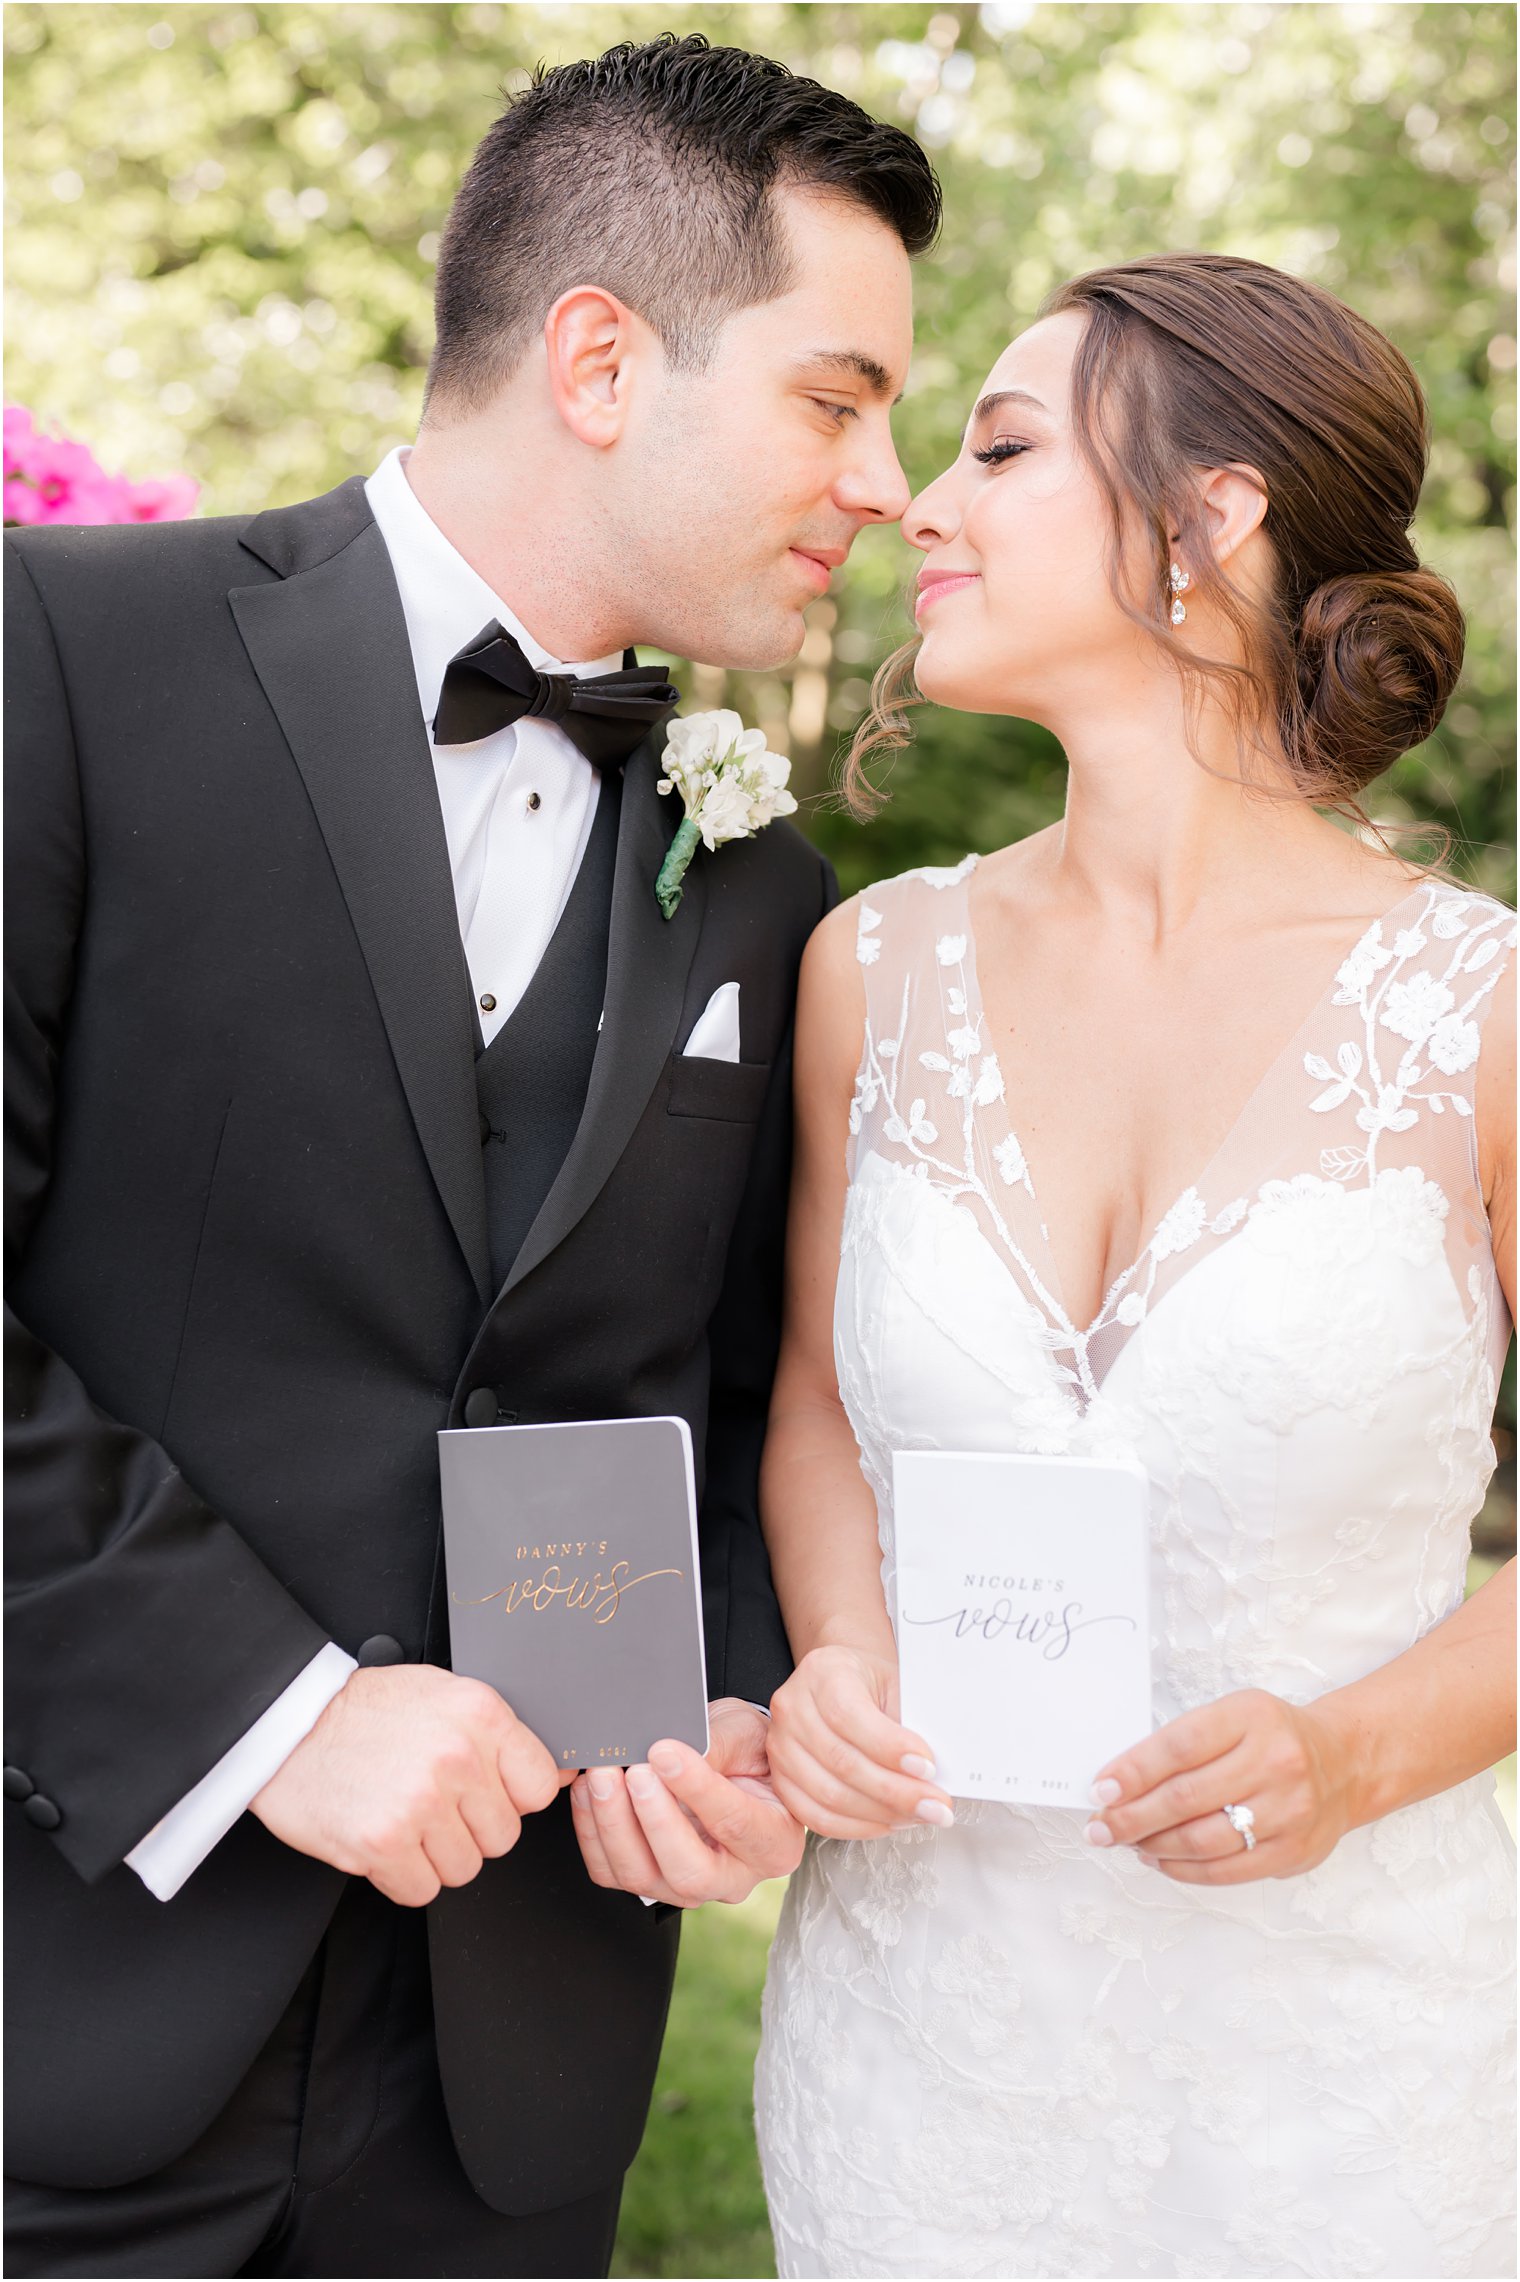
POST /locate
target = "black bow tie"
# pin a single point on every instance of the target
(490, 684)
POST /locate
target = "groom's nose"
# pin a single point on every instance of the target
(873, 486)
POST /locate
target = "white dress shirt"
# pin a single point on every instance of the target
(517, 806)
(517, 814)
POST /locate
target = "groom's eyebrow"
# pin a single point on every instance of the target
(853, 364)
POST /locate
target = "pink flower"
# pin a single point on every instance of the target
(22, 504)
(52, 479)
(169, 500)
(21, 441)
(60, 493)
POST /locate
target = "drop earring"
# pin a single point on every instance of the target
(1179, 582)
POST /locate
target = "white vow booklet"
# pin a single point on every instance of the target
(1023, 1626)
(573, 1580)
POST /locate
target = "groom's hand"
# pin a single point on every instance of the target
(686, 1829)
(410, 1778)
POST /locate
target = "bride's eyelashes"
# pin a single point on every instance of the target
(1001, 448)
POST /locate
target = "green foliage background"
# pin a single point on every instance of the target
(223, 222)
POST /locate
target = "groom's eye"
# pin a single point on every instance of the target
(839, 412)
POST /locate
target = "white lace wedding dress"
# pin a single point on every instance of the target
(992, 2050)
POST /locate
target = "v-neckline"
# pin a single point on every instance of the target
(976, 1012)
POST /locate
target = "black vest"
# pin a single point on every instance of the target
(531, 1080)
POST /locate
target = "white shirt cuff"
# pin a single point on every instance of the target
(180, 1843)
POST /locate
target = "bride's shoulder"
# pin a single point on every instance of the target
(875, 910)
(937, 877)
(1474, 909)
(1470, 930)
(891, 913)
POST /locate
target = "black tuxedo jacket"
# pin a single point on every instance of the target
(249, 1280)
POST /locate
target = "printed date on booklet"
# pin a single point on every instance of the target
(983, 1778)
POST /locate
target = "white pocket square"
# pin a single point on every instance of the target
(716, 1035)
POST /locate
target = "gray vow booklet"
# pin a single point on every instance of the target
(573, 1581)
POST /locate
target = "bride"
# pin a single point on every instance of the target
(1168, 1134)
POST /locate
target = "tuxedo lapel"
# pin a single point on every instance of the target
(329, 644)
(648, 959)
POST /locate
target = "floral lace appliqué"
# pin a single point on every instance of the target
(992, 2050)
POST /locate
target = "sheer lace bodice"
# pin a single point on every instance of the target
(990, 2050)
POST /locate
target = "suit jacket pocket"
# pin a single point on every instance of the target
(732, 1092)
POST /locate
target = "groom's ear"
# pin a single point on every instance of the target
(594, 345)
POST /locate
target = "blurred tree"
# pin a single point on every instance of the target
(223, 223)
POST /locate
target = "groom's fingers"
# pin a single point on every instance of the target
(530, 1774)
(765, 1841)
(452, 1852)
(733, 1817)
(407, 1876)
(589, 1838)
(687, 1866)
(624, 1847)
(491, 1820)
(408, 1879)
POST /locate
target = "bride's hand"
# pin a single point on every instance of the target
(1287, 1763)
(840, 1760)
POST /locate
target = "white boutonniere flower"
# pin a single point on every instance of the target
(732, 787)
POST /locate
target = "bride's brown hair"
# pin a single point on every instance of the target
(1202, 360)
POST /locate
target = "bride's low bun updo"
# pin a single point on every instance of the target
(1376, 656)
(1192, 361)
(1195, 361)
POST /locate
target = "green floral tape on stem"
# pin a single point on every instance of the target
(683, 847)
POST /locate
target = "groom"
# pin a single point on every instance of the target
(359, 1089)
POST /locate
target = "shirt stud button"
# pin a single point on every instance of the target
(535, 803)
(487, 1002)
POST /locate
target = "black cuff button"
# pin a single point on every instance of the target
(41, 1813)
(18, 1783)
(380, 1648)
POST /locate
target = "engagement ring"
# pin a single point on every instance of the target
(1243, 1820)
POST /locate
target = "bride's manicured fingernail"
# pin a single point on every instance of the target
(603, 1782)
(935, 1811)
(1098, 1834)
(1104, 1794)
(914, 1763)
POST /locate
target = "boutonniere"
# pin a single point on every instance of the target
(731, 785)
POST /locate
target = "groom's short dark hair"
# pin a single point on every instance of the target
(649, 171)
